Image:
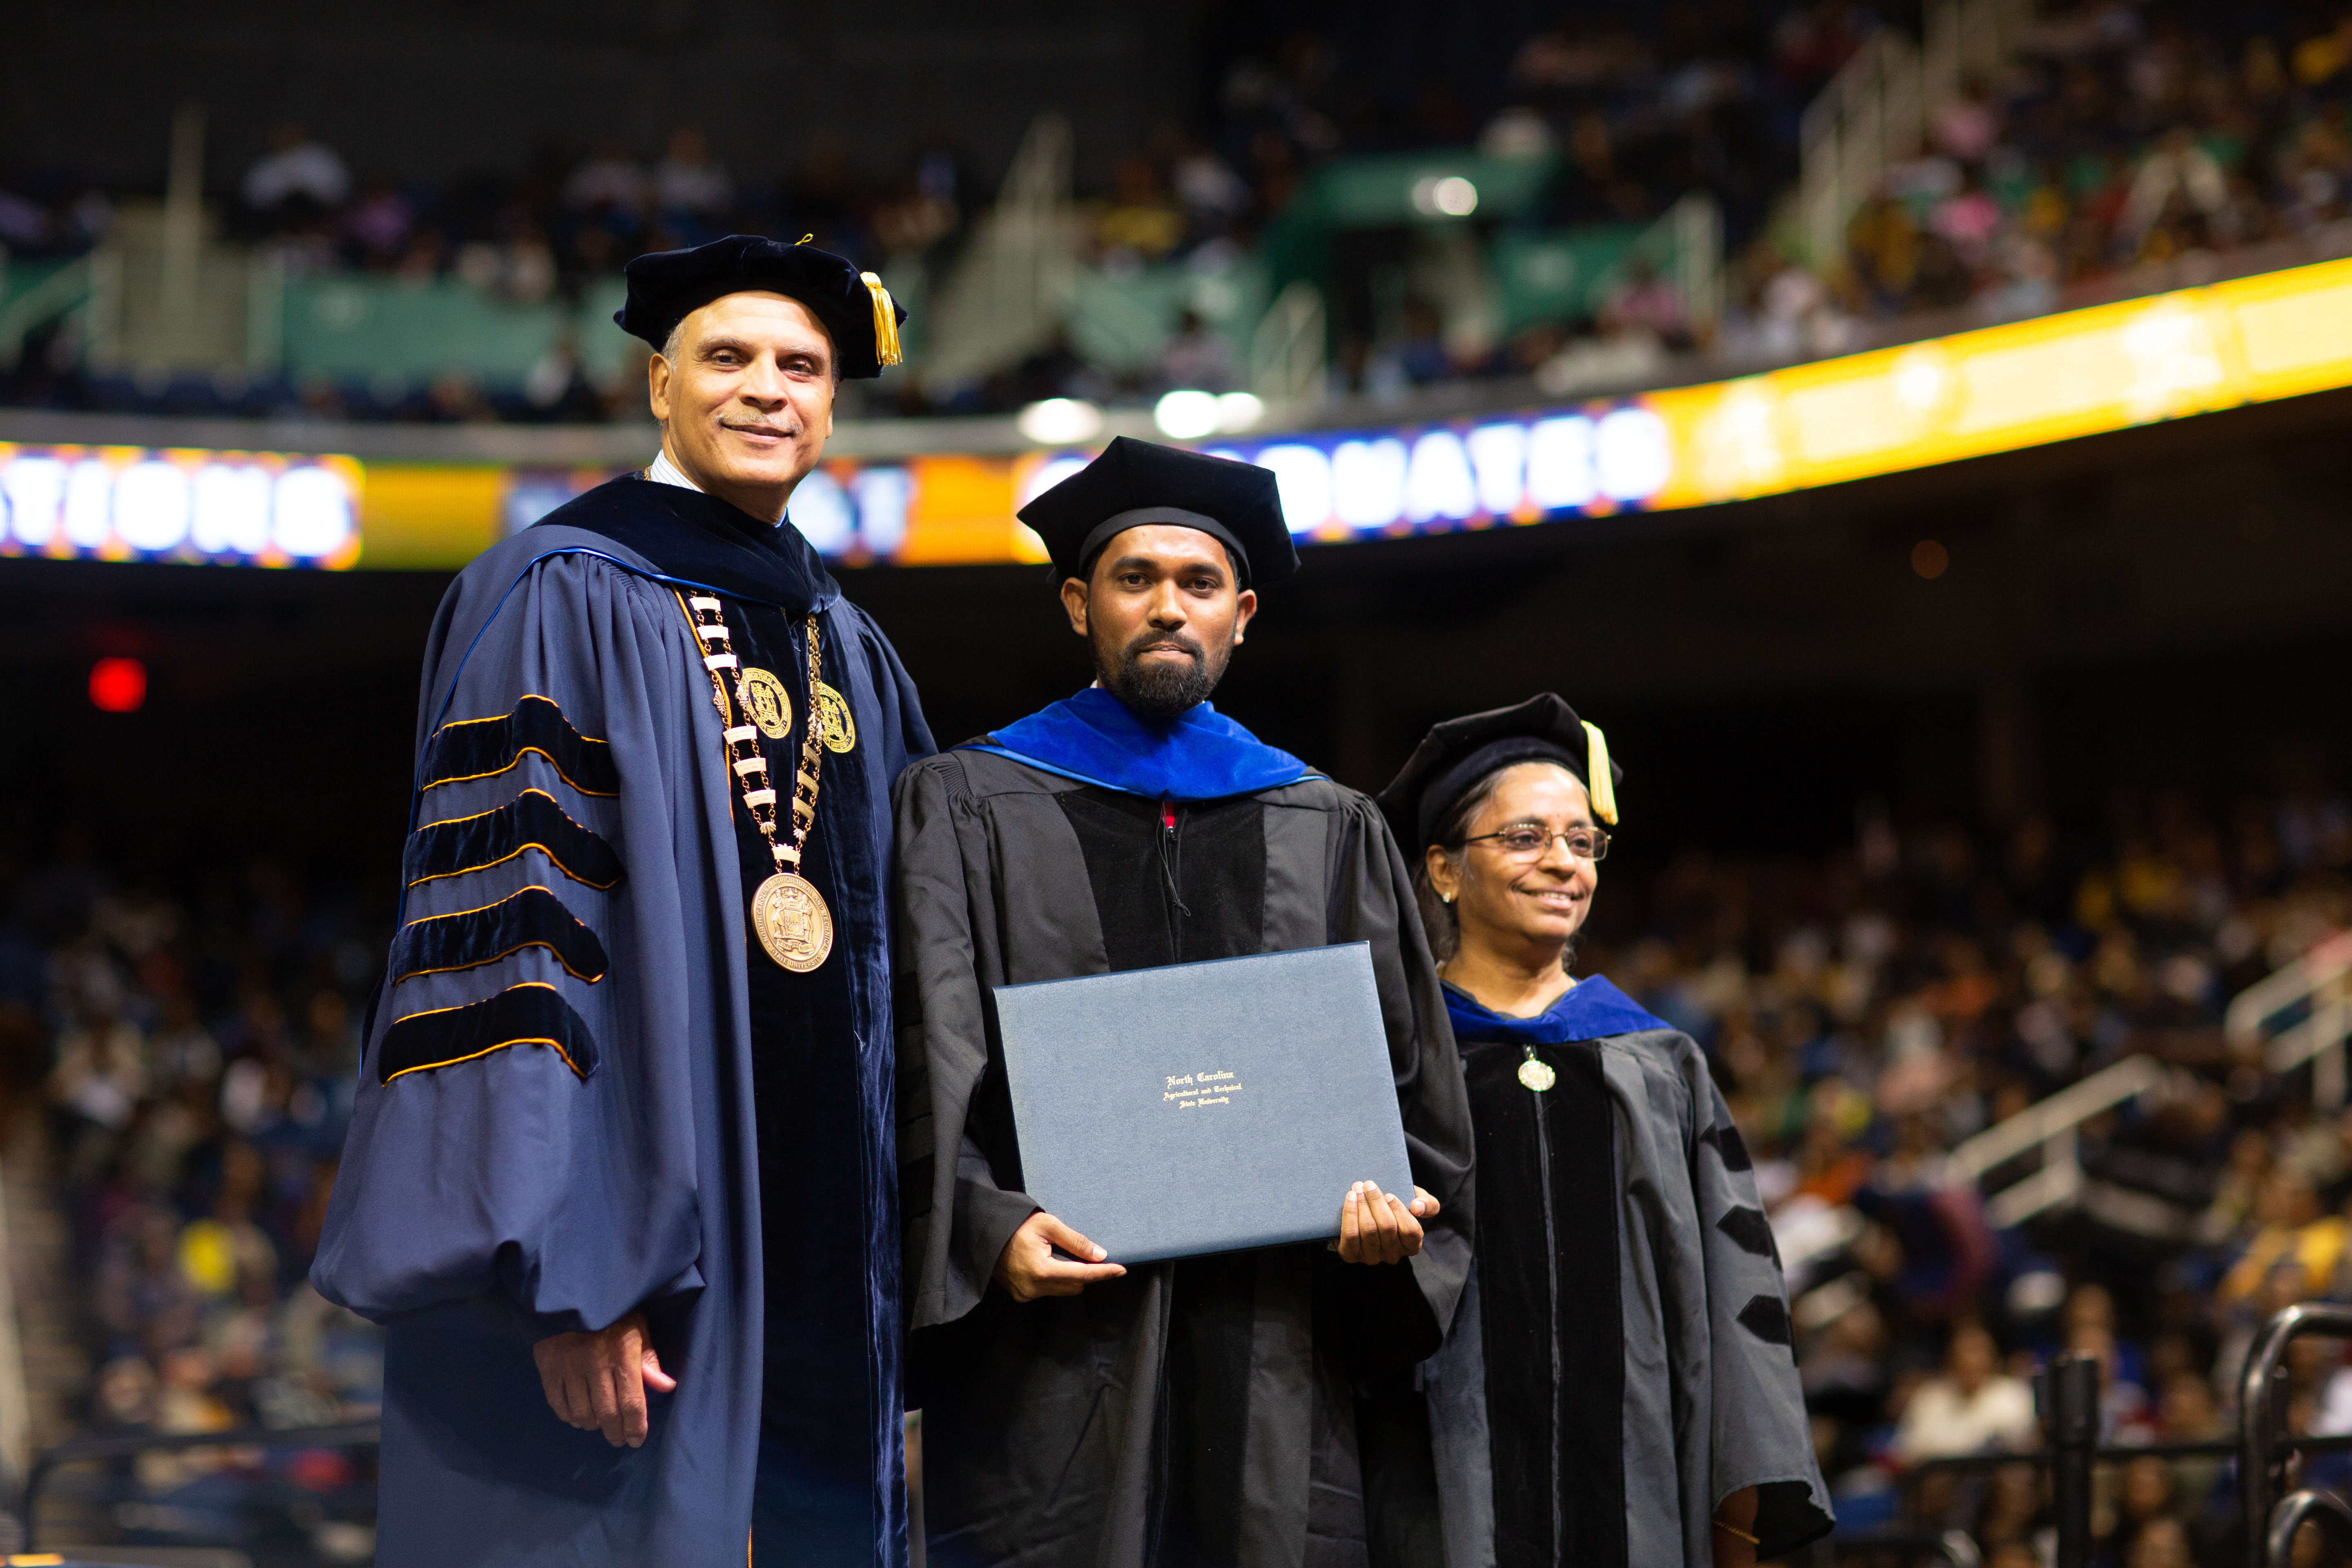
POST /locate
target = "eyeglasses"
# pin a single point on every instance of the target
(1526, 843)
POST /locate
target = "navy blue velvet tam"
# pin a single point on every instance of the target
(666, 286)
(1457, 756)
(1138, 482)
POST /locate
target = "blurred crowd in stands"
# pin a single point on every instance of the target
(1868, 1013)
(192, 1054)
(179, 1069)
(2116, 134)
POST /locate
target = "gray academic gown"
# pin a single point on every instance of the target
(1709, 1402)
(1054, 1430)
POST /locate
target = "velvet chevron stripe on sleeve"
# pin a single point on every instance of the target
(534, 917)
(531, 1014)
(531, 821)
(478, 748)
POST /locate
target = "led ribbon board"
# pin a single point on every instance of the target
(129, 503)
(1998, 389)
(2001, 389)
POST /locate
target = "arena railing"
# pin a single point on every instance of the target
(2263, 1448)
(2066, 1397)
(131, 1444)
(2301, 1014)
(2050, 1126)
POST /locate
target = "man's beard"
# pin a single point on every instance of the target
(1160, 689)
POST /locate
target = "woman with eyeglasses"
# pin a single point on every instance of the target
(1617, 1389)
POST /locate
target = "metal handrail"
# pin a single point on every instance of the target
(2050, 1125)
(60, 292)
(2241, 1024)
(2260, 1452)
(2261, 1447)
(1953, 1548)
(2070, 1107)
(2303, 1507)
(123, 1445)
(2124, 1454)
(2322, 980)
(1686, 246)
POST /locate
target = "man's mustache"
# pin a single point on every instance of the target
(1148, 641)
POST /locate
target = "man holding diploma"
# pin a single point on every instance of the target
(1230, 1409)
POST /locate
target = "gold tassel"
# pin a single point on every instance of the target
(1596, 763)
(886, 322)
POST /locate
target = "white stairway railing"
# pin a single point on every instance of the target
(2301, 1014)
(1010, 292)
(2317, 987)
(1875, 111)
(1685, 247)
(2051, 1125)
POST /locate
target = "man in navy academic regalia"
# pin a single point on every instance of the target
(1249, 1408)
(620, 1185)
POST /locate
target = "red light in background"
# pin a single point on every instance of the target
(118, 685)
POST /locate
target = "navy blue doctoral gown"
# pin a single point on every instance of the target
(555, 1123)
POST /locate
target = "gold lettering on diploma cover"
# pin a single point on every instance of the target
(770, 705)
(1191, 1091)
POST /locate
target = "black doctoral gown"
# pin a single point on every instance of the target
(1234, 1409)
(579, 1080)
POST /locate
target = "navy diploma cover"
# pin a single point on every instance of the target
(1204, 1107)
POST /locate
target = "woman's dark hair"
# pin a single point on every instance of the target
(1451, 835)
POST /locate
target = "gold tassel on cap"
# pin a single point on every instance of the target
(886, 322)
(1603, 790)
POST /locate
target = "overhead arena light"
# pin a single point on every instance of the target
(1445, 195)
(1060, 422)
(1239, 411)
(1186, 414)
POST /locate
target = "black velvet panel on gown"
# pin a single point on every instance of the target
(812, 1190)
(1553, 1320)
(1168, 897)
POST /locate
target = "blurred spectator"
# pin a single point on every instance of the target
(102, 1071)
(2293, 1230)
(298, 178)
(2177, 180)
(1211, 196)
(1139, 223)
(559, 388)
(691, 189)
(688, 179)
(376, 227)
(1197, 355)
(1973, 1405)
(610, 183)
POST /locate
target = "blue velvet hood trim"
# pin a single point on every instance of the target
(1095, 739)
(1594, 1009)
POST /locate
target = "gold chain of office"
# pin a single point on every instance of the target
(788, 914)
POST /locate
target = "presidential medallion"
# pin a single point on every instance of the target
(839, 728)
(788, 916)
(768, 705)
(1533, 1072)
